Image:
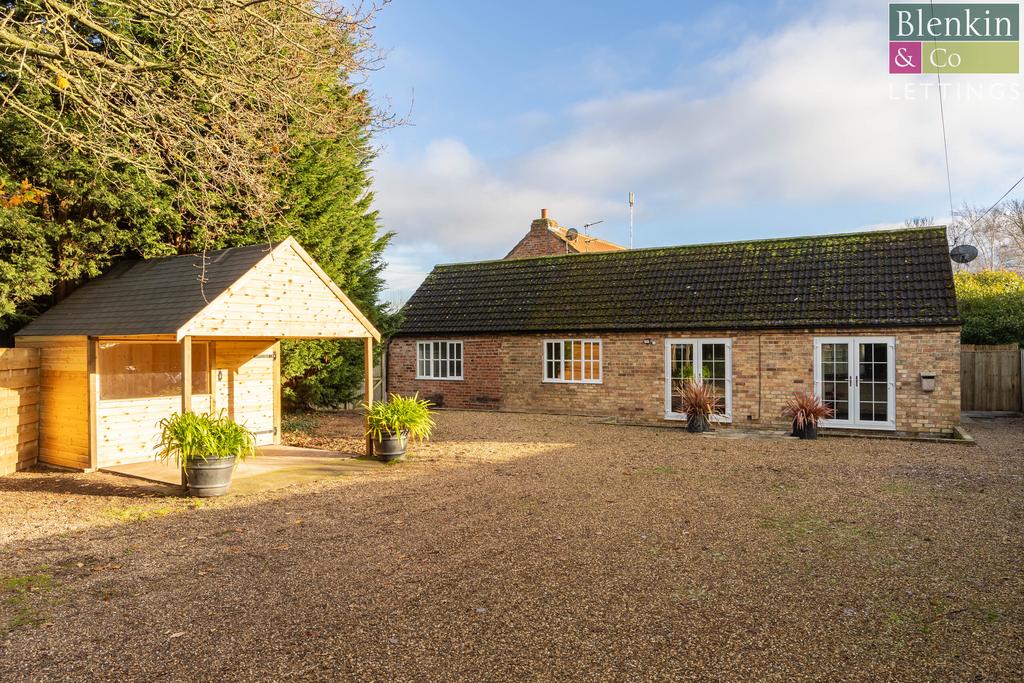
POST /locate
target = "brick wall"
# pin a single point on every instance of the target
(19, 409)
(481, 372)
(505, 373)
(540, 241)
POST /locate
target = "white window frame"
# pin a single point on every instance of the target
(429, 362)
(698, 361)
(854, 395)
(561, 379)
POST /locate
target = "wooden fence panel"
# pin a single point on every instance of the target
(990, 378)
(19, 409)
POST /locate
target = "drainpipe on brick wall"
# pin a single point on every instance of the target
(759, 371)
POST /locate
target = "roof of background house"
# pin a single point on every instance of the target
(896, 277)
(584, 244)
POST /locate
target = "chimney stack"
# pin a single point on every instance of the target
(543, 224)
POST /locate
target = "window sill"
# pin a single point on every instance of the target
(582, 381)
(843, 424)
(440, 379)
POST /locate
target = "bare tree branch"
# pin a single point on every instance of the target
(202, 96)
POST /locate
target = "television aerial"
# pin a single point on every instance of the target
(963, 253)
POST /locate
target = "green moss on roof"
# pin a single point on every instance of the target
(774, 244)
(892, 277)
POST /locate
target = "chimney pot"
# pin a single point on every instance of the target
(543, 213)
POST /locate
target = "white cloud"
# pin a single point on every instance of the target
(448, 197)
(805, 116)
(800, 119)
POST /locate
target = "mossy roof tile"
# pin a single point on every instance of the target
(897, 277)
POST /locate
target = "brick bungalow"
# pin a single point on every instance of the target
(868, 321)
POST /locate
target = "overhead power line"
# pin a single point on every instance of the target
(942, 117)
(998, 201)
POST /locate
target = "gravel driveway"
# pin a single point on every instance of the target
(520, 547)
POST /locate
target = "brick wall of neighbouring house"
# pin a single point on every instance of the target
(505, 373)
(540, 241)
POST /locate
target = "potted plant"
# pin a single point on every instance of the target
(393, 423)
(805, 410)
(206, 449)
(699, 402)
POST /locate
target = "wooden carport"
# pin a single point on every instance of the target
(195, 332)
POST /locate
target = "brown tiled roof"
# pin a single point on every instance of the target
(883, 278)
(584, 244)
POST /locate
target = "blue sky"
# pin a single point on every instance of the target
(728, 120)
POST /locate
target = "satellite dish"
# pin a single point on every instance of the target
(571, 234)
(963, 253)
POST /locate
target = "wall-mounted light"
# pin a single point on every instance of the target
(648, 341)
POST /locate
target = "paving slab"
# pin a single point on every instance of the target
(273, 467)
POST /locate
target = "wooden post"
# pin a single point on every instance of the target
(368, 380)
(211, 365)
(186, 386)
(186, 374)
(277, 393)
(94, 397)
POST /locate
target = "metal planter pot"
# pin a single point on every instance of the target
(391, 446)
(211, 477)
(698, 424)
(810, 431)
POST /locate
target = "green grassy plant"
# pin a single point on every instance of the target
(187, 437)
(24, 597)
(401, 414)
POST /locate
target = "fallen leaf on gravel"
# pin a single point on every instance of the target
(179, 634)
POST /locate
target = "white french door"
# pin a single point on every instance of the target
(707, 361)
(856, 377)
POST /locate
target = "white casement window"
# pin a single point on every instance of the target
(439, 360)
(572, 361)
(705, 361)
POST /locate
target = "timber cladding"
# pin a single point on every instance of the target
(64, 401)
(504, 372)
(19, 409)
(992, 378)
(241, 386)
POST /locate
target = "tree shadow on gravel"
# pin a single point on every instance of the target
(42, 480)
